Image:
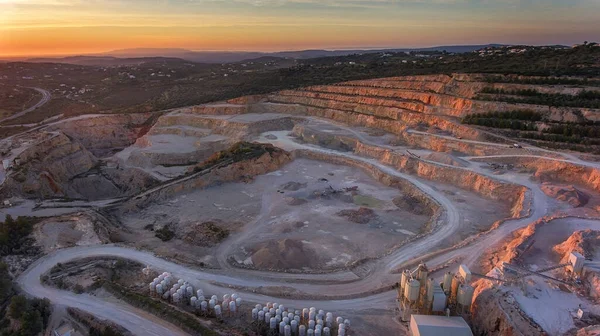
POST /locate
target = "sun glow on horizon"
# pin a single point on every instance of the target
(60, 27)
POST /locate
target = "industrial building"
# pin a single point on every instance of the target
(432, 325)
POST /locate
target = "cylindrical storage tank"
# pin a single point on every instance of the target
(238, 302)
(274, 305)
(278, 311)
(214, 297)
(455, 283)
(311, 316)
(404, 280)
(212, 303)
(261, 315)
(272, 323)
(257, 306)
(311, 324)
(268, 317)
(302, 330)
(176, 298)
(447, 282)
(180, 292)
(273, 311)
(290, 316)
(341, 326)
(232, 307)
(430, 285)
(226, 297)
(321, 312)
(329, 321)
(282, 328)
(203, 306)
(318, 327)
(339, 320)
(287, 330)
(152, 287)
(278, 318)
(176, 286)
(310, 332)
(173, 291)
(318, 332)
(159, 289)
(320, 323)
(234, 296)
(189, 291)
(194, 301)
(218, 312)
(411, 292)
(304, 314)
(200, 294)
(347, 323)
(265, 309)
(297, 312)
(465, 295)
(326, 331)
(297, 319)
(281, 307)
(180, 281)
(254, 314)
(226, 304)
(166, 295)
(294, 325)
(341, 332)
(285, 320)
(329, 314)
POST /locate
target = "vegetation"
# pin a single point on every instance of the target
(543, 80)
(31, 316)
(165, 233)
(14, 235)
(240, 151)
(588, 99)
(186, 321)
(516, 120)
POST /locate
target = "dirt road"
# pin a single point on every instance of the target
(46, 96)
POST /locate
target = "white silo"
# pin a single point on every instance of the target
(311, 316)
(214, 297)
(261, 315)
(326, 331)
(290, 316)
(447, 283)
(287, 330)
(218, 312)
(166, 295)
(278, 311)
(203, 306)
(318, 332)
(176, 298)
(238, 301)
(341, 332)
(180, 282)
(285, 320)
(294, 325)
(311, 324)
(269, 305)
(302, 330)
(297, 312)
(268, 317)
(159, 289)
(282, 328)
(234, 296)
(226, 297)
(278, 318)
(281, 307)
(194, 301)
(310, 332)
(347, 323)
(189, 291)
(272, 323)
(212, 303)
(152, 287)
(254, 314)
(232, 307)
(339, 320)
(273, 311)
(411, 292)
(304, 314)
(297, 319)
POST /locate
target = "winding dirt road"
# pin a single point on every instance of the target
(46, 96)
(358, 290)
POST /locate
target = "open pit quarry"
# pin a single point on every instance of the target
(318, 197)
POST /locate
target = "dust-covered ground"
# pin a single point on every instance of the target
(308, 215)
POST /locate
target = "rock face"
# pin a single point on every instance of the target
(583, 242)
(105, 134)
(495, 313)
(447, 159)
(566, 193)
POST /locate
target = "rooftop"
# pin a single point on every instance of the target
(431, 325)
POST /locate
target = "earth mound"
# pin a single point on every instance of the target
(446, 158)
(566, 193)
(584, 242)
(284, 254)
(412, 205)
(360, 216)
(293, 186)
(205, 234)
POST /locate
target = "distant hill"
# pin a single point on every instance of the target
(106, 60)
(144, 55)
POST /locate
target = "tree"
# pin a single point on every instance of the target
(31, 323)
(18, 306)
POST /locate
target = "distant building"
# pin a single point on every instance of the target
(65, 329)
(432, 325)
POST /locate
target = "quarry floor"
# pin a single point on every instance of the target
(297, 208)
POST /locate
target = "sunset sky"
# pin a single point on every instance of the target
(53, 27)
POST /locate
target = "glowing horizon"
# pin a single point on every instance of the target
(69, 27)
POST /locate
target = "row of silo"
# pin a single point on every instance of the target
(286, 321)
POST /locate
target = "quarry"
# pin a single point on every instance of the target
(346, 209)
